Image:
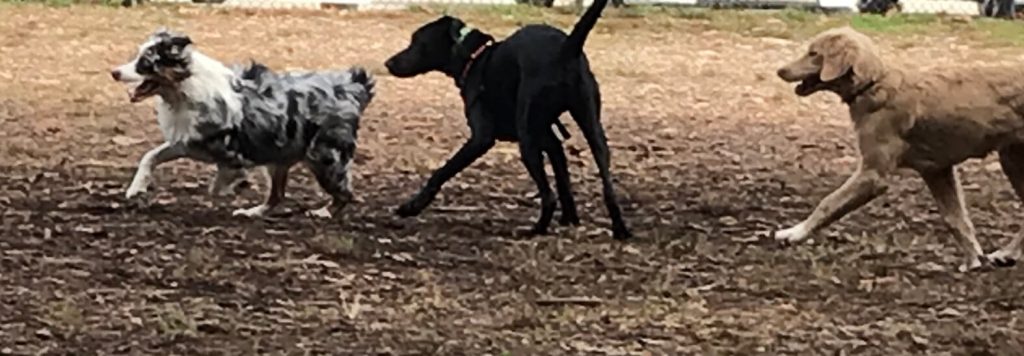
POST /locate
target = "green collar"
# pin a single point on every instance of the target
(463, 32)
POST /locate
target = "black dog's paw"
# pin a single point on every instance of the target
(569, 220)
(409, 209)
(530, 232)
(621, 233)
(538, 231)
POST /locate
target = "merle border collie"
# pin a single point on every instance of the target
(248, 116)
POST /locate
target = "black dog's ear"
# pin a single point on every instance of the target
(455, 29)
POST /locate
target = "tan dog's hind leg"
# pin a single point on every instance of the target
(859, 189)
(1012, 159)
(945, 186)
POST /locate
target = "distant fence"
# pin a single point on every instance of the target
(992, 8)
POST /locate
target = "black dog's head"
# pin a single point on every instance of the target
(432, 48)
(163, 60)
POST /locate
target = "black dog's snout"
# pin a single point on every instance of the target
(116, 74)
(390, 63)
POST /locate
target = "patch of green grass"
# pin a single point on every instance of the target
(1001, 32)
(790, 23)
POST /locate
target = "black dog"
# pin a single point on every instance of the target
(515, 90)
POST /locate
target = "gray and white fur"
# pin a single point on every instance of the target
(248, 116)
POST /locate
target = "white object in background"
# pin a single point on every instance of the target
(838, 4)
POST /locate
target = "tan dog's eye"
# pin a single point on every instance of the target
(812, 53)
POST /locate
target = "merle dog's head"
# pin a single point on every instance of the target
(430, 48)
(162, 61)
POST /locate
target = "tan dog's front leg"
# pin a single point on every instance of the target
(945, 186)
(859, 189)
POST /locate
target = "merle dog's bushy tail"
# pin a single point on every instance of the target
(573, 45)
(361, 86)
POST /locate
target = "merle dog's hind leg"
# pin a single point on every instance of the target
(336, 180)
(1012, 160)
(480, 141)
(278, 175)
(226, 180)
(560, 165)
(331, 165)
(585, 108)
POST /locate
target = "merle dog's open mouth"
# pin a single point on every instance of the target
(809, 85)
(144, 90)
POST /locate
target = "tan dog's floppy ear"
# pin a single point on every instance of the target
(844, 52)
(835, 65)
(839, 55)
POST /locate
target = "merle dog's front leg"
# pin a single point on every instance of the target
(165, 152)
(480, 142)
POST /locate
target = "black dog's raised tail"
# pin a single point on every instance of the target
(573, 45)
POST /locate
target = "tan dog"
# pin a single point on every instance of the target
(928, 122)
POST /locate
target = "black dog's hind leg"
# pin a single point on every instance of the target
(481, 140)
(530, 147)
(560, 165)
(586, 111)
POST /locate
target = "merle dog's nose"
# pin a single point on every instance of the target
(116, 74)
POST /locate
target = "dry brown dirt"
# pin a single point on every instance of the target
(709, 149)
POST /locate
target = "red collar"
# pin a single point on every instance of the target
(472, 58)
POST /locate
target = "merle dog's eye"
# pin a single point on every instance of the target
(144, 66)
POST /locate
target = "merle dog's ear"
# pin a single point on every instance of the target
(180, 41)
(179, 44)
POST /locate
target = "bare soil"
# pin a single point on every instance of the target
(709, 150)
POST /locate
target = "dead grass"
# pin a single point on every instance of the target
(709, 149)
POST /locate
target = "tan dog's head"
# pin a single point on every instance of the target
(840, 60)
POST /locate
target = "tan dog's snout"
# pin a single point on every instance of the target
(800, 69)
(786, 74)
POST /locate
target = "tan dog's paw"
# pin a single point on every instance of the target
(1005, 257)
(793, 234)
(970, 264)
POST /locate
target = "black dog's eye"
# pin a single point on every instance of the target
(326, 160)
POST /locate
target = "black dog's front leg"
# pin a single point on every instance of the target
(481, 141)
